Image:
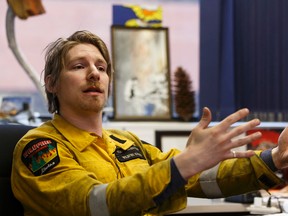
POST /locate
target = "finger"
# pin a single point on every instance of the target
(241, 154)
(205, 118)
(245, 140)
(233, 118)
(236, 131)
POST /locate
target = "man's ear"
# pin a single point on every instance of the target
(49, 84)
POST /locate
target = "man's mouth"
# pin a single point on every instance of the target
(93, 89)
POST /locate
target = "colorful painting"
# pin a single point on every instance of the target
(137, 15)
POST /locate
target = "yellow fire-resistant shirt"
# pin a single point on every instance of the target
(59, 169)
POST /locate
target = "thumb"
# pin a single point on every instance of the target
(283, 136)
(205, 118)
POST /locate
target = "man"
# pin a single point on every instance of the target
(72, 166)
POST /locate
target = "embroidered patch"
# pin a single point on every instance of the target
(131, 153)
(40, 156)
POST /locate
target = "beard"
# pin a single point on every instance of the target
(94, 104)
(82, 103)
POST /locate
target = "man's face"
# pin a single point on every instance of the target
(83, 83)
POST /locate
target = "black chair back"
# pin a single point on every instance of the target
(9, 136)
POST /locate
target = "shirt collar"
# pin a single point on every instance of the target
(79, 138)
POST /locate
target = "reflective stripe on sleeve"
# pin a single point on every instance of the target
(209, 183)
(97, 201)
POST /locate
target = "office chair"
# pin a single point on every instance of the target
(9, 136)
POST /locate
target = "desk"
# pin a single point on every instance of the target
(198, 206)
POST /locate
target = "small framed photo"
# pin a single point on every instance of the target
(13, 105)
(141, 86)
(166, 140)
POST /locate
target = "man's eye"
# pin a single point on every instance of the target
(101, 68)
(77, 67)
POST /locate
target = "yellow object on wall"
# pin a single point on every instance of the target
(137, 15)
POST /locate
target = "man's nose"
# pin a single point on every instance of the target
(93, 73)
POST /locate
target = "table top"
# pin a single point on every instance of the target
(201, 205)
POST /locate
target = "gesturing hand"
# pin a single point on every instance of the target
(280, 153)
(207, 146)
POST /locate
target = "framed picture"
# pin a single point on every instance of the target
(165, 140)
(16, 109)
(141, 86)
(11, 105)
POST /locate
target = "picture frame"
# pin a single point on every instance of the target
(11, 105)
(141, 83)
(167, 139)
(16, 109)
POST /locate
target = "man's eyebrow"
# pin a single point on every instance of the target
(80, 57)
(73, 58)
(102, 61)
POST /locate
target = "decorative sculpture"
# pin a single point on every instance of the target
(23, 9)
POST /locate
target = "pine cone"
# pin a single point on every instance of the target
(184, 95)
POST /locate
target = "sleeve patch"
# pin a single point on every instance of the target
(40, 156)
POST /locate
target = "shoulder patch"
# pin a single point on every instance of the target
(40, 155)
